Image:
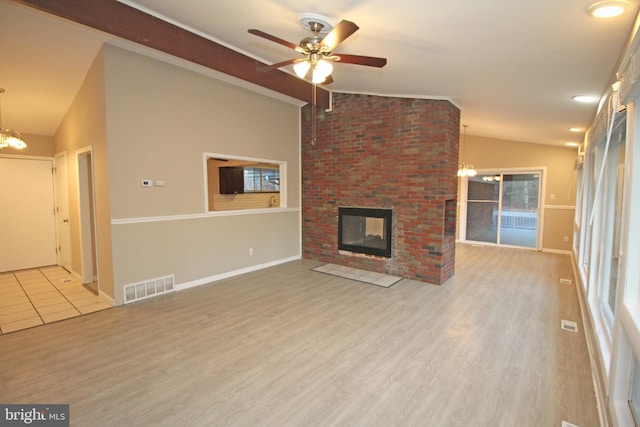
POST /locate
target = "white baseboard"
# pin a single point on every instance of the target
(556, 251)
(215, 278)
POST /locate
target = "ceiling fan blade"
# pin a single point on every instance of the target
(327, 81)
(336, 36)
(273, 38)
(279, 64)
(370, 61)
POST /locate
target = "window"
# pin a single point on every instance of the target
(577, 226)
(236, 183)
(261, 179)
(634, 392)
(588, 183)
(607, 222)
(616, 188)
(623, 276)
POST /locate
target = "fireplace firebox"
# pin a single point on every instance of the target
(365, 230)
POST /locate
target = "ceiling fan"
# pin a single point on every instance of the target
(317, 49)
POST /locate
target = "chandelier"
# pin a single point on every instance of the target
(465, 169)
(10, 137)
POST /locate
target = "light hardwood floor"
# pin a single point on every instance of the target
(289, 346)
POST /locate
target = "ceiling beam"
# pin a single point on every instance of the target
(126, 22)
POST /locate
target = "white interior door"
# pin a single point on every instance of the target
(63, 231)
(27, 224)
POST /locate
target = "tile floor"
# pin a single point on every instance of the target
(373, 278)
(43, 295)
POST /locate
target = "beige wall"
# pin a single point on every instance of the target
(84, 126)
(560, 194)
(161, 119)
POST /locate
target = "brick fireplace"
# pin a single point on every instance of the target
(377, 152)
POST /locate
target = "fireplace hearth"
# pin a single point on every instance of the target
(365, 230)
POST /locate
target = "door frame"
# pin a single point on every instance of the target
(61, 195)
(464, 185)
(87, 214)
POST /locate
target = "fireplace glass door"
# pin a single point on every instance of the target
(365, 230)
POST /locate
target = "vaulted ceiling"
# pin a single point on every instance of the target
(511, 66)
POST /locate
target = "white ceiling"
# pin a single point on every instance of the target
(511, 66)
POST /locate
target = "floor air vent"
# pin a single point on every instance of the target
(148, 288)
(568, 325)
(565, 281)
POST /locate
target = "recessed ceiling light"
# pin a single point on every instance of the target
(571, 144)
(608, 8)
(585, 98)
(575, 130)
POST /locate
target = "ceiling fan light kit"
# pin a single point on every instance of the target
(321, 70)
(301, 68)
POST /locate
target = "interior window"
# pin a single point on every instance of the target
(235, 183)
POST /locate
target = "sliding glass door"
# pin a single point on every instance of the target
(503, 209)
(483, 207)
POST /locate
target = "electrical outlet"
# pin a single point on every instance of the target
(565, 238)
(146, 183)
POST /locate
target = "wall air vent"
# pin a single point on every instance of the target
(147, 289)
